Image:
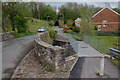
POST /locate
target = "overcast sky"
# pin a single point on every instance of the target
(101, 3)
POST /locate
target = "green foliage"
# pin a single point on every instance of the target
(117, 10)
(35, 24)
(107, 33)
(51, 23)
(116, 61)
(32, 9)
(87, 28)
(75, 35)
(12, 9)
(20, 23)
(69, 11)
(95, 27)
(48, 68)
(73, 10)
(76, 29)
(69, 22)
(51, 32)
(102, 43)
(61, 22)
(18, 35)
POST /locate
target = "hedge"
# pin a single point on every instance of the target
(107, 33)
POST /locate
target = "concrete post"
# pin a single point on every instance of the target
(101, 73)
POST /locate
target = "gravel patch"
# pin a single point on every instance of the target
(30, 67)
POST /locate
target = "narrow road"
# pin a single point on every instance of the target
(12, 53)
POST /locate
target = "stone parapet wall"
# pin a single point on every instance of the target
(6, 36)
(48, 54)
(68, 51)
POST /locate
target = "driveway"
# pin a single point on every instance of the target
(12, 53)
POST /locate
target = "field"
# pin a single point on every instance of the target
(110, 41)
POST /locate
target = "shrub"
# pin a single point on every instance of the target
(95, 27)
(51, 32)
(20, 23)
(51, 23)
(76, 29)
(107, 33)
(61, 26)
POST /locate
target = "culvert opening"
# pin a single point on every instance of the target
(64, 44)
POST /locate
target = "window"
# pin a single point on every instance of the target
(99, 27)
(105, 22)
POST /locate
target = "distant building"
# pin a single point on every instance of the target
(77, 22)
(107, 20)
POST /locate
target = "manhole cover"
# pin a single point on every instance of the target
(84, 47)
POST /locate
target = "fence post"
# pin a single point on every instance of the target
(101, 73)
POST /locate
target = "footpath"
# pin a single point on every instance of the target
(88, 63)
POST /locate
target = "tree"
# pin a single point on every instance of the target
(69, 11)
(12, 9)
(117, 10)
(20, 23)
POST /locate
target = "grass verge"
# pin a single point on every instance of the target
(115, 61)
(74, 35)
(18, 35)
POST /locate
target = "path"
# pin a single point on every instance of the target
(91, 64)
(12, 53)
(89, 67)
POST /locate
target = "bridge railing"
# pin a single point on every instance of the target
(114, 52)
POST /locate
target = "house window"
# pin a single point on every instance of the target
(99, 27)
(105, 22)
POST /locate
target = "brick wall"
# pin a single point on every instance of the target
(112, 18)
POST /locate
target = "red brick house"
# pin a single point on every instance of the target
(107, 20)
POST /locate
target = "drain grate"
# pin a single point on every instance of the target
(84, 47)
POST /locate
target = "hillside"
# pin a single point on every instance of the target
(34, 24)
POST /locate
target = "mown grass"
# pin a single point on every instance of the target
(110, 41)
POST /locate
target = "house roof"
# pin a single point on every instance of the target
(78, 19)
(103, 9)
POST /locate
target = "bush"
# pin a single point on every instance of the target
(51, 32)
(107, 33)
(20, 23)
(51, 23)
(95, 27)
(76, 29)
